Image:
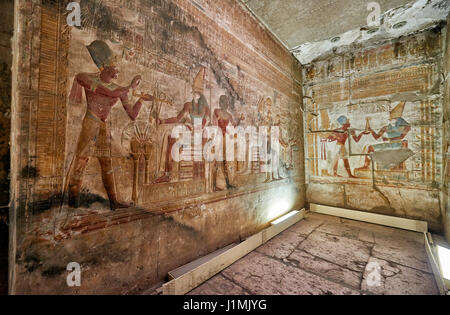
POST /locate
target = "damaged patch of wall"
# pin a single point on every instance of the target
(413, 17)
(373, 127)
(94, 182)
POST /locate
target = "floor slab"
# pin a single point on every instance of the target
(342, 251)
(218, 285)
(263, 275)
(384, 277)
(282, 245)
(329, 255)
(315, 265)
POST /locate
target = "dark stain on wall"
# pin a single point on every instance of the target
(95, 14)
(190, 230)
(88, 199)
(32, 262)
(53, 271)
(45, 203)
(171, 21)
(29, 172)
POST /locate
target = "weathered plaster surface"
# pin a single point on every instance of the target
(298, 22)
(418, 15)
(187, 214)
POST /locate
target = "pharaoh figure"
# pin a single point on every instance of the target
(94, 140)
(340, 136)
(195, 114)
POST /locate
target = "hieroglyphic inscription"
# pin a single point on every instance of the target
(51, 112)
(391, 82)
(173, 191)
(331, 92)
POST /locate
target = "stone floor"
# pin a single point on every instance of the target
(329, 255)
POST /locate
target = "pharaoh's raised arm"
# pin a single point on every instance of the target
(91, 83)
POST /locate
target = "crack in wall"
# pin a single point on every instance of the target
(377, 189)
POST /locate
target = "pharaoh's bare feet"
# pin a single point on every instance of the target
(162, 179)
(120, 205)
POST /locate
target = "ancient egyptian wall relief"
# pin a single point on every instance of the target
(396, 142)
(154, 106)
(373, 128)
(121, 83)
(95, 108)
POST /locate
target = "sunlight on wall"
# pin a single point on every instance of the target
(280, 206)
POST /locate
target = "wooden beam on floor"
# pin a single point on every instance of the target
(195, 273)
(176, 273)
(401, 223)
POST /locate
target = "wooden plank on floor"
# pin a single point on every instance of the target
(201, 273)
(176, 273)
(401, 223)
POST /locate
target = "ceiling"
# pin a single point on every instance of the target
(296, 22)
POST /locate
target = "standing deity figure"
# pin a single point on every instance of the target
(94, 140)
(267, 163)
(195, 114)
(280, 152)
(222, 118)
(392, 135)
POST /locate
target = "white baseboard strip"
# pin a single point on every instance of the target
(401, 223)
(197, 272)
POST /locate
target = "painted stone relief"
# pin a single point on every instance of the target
(125, 80)
(386, 141)
(223, 118)
(94, 140)
(134, 143)
(97, 107)
(394, 150)
(194, 114)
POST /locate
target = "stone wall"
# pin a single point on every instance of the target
(6, 30)
(62, 193)
(373, 127)
(446, 153)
